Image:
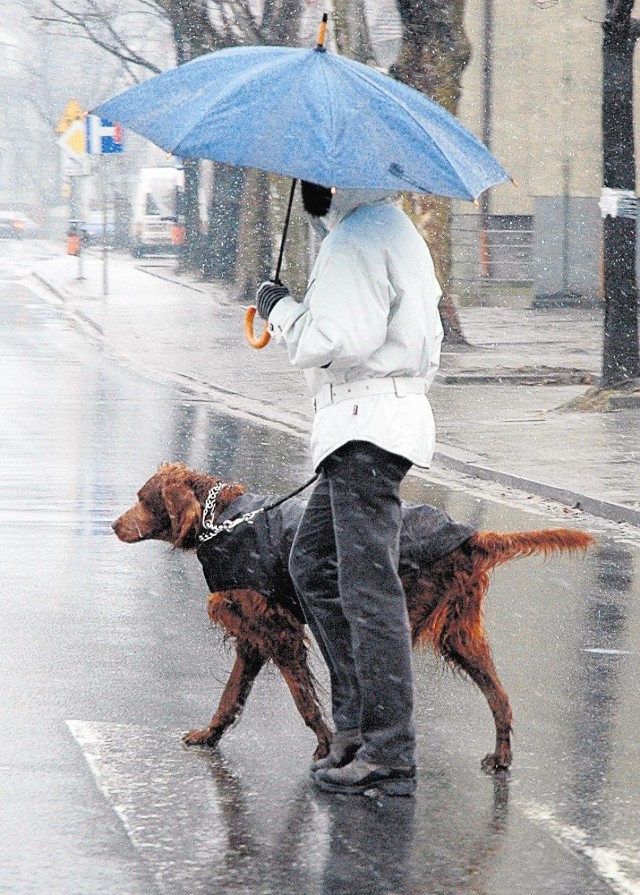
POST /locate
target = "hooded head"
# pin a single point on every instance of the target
(327, 206)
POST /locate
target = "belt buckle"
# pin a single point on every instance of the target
(324, 397)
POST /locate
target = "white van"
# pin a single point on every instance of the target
(155, 210)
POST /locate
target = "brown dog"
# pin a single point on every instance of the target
(444, 600)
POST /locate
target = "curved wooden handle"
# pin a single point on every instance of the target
(264, 339)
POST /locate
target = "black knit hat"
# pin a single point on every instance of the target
(316, 199)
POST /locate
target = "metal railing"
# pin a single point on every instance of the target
(498, 254)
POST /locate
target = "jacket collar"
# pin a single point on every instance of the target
(346, 200)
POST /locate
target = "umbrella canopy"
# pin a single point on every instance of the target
(307, 114)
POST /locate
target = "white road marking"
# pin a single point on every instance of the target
(618, 865)
(167, 804)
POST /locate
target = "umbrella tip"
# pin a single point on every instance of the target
(322, 33)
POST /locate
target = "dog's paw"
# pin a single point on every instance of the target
(200, 738)
(322, 750)
(496, 761)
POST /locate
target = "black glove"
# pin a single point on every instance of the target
(268, 296)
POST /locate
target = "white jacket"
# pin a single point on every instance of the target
(370, 314)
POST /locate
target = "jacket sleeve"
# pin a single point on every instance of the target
(346, 310)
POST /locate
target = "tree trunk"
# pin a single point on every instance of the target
(191, 254)
(220, 260)
(351, 31)
(260, 224)
(435, 51)
(255, 234)
(621, 354)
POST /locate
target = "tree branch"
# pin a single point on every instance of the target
(71, 18)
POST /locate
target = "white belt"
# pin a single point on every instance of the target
(398, 385)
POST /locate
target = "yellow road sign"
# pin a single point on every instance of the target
(74, 139)
(73, 111)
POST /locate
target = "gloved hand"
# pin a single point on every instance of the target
(268, 295)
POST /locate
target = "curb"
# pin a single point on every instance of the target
(453, 458)
(446, 456)
(556, 377)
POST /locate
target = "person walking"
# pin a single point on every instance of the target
(368, 336)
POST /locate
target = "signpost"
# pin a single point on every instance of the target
(81, 136)
(103, 137)
(75, 163)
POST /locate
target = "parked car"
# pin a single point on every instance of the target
(16, 225)
(93, 228)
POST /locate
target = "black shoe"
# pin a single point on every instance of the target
(337, 758)
(343, 749)
(362, 778)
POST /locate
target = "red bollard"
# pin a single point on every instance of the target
(73, 241)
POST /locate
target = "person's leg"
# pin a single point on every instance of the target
(313, 568)
(367, 516)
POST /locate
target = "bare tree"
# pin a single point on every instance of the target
(196, 27)
(435, 51)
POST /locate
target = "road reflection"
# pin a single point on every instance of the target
(356, 846)
(597, 685)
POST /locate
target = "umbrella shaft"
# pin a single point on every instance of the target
(276, 277)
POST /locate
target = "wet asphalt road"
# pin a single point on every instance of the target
(107, 656)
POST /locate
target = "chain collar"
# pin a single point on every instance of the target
(211, 529)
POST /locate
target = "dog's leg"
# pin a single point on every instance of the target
(246, 668)
(300, 683)
(446, 608)
(475, 660)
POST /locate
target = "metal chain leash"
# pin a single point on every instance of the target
(208, 515)
(212, 530)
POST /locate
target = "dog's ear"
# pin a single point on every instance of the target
(184, 512)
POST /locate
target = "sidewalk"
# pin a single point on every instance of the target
(495, 403)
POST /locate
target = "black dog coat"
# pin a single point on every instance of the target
(256, 555)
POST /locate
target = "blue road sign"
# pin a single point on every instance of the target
(103, 136)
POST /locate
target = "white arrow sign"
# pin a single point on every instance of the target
(74, 140)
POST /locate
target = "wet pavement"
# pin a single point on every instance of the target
(498, 405)
(107, 656)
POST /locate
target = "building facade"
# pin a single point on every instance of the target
(533, 91)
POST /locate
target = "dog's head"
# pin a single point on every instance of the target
(169, 507)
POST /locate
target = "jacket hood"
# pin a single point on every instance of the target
(347, 199)
(344, 201)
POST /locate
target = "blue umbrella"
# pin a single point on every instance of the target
(310, 115)
(307, 114)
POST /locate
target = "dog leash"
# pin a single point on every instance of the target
(213, 529)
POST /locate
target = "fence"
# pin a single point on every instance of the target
(496, 257)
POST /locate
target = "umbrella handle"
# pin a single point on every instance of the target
(255, 342)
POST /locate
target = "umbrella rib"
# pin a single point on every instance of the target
(400, 102)
(272, 65)
(332, 121)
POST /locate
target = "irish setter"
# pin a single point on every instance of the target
(444, 600)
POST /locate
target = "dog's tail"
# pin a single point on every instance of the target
(499, 548)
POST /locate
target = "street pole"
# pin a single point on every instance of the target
(621, 352)
(76, 218)
(487, 133)
(105, 248)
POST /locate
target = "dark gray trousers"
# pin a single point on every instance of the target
(344, 564)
